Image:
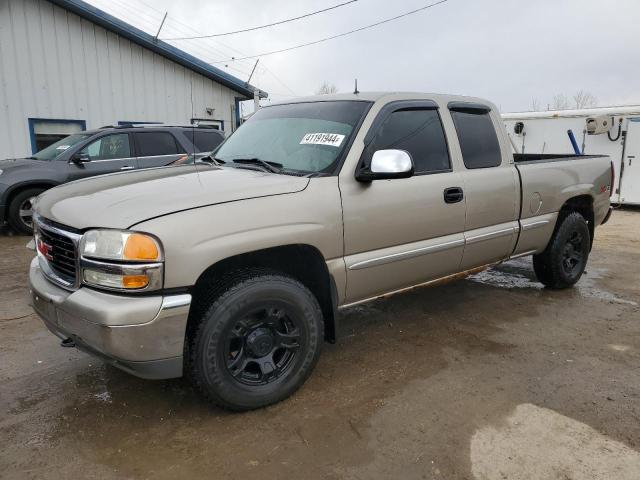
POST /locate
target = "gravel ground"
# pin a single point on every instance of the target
(492, 377)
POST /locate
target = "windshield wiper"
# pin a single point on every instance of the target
(273, 167)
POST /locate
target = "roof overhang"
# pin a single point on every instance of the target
(115, 25)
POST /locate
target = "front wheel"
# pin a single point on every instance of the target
(563, 261)
(20, 214)
(257, 343)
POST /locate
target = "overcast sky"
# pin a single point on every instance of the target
(509, 51)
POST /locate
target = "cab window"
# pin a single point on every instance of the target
(155, 144)
(419, 132)
(478, 139)
(109, 147)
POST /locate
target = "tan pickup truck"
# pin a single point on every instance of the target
(232, 271)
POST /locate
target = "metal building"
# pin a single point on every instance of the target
(67, 66)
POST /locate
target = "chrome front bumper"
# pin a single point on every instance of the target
(141, 335)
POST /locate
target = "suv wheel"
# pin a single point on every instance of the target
(20, 215)
(257, 342)
(563, 261)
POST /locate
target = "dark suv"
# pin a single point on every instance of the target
(95, 152)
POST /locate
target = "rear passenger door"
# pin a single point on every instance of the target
(491, 186)
(156, 149)
(402, 232)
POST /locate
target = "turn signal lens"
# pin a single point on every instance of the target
(114, 280)
(140, 247)
(135, 281)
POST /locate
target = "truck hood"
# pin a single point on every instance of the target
(123, 199)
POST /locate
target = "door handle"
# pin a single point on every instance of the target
(453, 195)
(127, 168)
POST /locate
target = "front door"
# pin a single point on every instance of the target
(630, 182)
(403, 232)
(107, 154)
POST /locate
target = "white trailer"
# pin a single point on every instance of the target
(613, 131)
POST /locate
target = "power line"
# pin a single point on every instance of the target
(140, 19)
(190, 29)
(326, 39)
(203, 49)
(278, 79)
(251, 29)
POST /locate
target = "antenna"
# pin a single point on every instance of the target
(252, 71)
(155, 39)
(355, 91)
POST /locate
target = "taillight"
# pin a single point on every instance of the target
(613, 173)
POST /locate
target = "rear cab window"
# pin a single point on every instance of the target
(476, 134)
(154, 144)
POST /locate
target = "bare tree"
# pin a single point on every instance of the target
(584, 99)
(535, 105)
(327, 88)
(560, 102)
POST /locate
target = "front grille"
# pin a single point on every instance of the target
(61, 255)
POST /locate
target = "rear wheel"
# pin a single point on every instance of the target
(257, 343)
(20, 215)
(563, 261)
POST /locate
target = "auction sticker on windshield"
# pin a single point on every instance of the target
(331, 139)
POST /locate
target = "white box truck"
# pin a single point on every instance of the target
(612, 131)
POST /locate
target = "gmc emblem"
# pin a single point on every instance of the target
(45, 249)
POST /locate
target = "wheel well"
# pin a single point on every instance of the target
(302, 262)
(27, 186)
(583, 204)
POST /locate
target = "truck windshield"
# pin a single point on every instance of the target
(302, 137)
(56, 149)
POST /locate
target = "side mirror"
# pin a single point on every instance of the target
(80, 158)
(387, 164)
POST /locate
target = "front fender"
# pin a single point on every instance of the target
(196, 239)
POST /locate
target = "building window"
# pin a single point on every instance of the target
(217, 124)
(46, 131)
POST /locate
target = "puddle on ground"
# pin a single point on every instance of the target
(516, 273)
(519, 274)
(536, 442)
(588, 288)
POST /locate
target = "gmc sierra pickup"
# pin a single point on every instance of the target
(232, 272)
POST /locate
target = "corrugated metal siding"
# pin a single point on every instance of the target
(54, 64)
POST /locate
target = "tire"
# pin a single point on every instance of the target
(17, 218)
(563, 261)
(256, 343)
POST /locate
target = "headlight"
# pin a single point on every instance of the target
(0, 172)
(121, 260)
